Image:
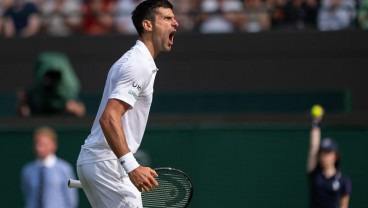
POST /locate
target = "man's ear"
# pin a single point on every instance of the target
(147, 25)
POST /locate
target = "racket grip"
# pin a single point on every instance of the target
(74, 183)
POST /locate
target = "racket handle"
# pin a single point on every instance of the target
(74, 183)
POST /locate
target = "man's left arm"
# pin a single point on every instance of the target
(110, 121)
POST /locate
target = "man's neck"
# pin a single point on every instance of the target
(149, 46)
(49, 161)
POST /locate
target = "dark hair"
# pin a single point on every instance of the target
(146, 10)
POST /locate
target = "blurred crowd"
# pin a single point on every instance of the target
(24, 18)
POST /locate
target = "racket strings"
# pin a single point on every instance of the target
(174, 191)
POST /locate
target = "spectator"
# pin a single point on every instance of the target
(213, 19)
(186, 11)
(61, 17)
(257, 16)
(55, 88)
(335, 15)
(123, 21)
(277, 13)
(300, 14)
(22, 19)
(363, 15)
(233, 12)
(311, 11)
(43, 181)
(98, 16)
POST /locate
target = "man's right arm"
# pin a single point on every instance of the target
(110, 121)
(111, 125)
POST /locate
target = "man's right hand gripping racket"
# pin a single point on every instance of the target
(175, 189)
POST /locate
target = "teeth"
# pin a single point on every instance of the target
(171, 36)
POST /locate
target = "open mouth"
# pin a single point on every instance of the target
(171, 37)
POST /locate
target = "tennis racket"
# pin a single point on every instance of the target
(175, 189)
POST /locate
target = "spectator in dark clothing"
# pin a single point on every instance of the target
(21, 19)
(301, 14)
(277, 13)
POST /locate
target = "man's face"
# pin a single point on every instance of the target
(164, 29)
(43, 146)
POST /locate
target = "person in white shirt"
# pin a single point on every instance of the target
(122, 19)
(61, 17)
(334, 15)
(106, 167)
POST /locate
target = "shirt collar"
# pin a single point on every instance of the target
(48, 162)
(143, 48)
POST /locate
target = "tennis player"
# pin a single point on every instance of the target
(106, 167)
(329, 188)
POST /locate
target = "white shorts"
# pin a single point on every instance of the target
(106, 185)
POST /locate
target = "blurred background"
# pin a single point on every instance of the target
(232, 99)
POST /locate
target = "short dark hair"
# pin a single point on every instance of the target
(146, 10)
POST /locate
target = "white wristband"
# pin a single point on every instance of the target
(128, 162)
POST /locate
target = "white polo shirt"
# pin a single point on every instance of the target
(131, 80)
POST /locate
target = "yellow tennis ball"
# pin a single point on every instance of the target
(317, 111)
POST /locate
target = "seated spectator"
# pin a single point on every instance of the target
(61, 17)
(98, 16)
(277, 11)
(212, 18)
(234, 12)
(123, 21)
(363, 15)
(335, 15)
(311, 10)
(301, 14)
(55, 88)
(21, 19)
(257, 16)
(186, 11)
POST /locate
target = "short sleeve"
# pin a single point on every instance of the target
(130, 82)
(346, 186)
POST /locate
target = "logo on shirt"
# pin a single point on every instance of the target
(135, 85)
(335, 185)
(133, 94)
